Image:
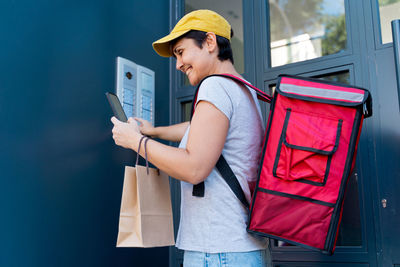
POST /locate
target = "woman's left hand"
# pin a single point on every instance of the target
(125, 133)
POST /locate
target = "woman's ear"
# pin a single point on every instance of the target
(211, 42)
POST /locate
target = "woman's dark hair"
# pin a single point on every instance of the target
(224, 46)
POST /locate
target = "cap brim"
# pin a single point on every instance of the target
(162, 46)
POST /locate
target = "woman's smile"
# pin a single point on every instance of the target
(188, 70)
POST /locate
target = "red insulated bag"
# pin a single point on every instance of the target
(309, 152)
(308, 155)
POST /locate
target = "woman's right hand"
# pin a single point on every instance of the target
(145, 127)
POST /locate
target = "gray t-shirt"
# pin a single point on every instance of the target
(217, 222)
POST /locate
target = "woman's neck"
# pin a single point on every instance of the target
(227, 67)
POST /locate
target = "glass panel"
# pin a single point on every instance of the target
(232, 11)
(302, 30)
(350, 226)
(339, 77)
(186, 109)
(282, 244)
(272, 88)
(388, 11)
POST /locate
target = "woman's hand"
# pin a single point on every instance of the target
(125, 134)
(145, 127)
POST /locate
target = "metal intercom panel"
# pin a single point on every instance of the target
(135, 89)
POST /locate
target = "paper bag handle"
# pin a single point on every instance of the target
(145, 154)
(140, 143)
(145, 138)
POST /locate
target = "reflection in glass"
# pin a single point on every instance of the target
(338, 77)
(302, 30)
(272, 88)
(388, 10)
(350, 226)
(231, 10)
(186, 109)
(281, 244)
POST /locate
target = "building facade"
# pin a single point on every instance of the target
(62, 175)
(346, 41)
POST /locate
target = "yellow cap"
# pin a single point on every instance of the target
(200, 20)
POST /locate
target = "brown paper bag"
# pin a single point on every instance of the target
(146, 210)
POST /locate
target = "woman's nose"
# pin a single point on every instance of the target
(178, 64)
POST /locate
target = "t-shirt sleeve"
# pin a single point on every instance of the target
(212, 90)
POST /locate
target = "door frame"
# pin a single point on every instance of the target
(353, 61)
(362, 29)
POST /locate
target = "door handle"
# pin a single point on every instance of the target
(384, 203)
(396, 48)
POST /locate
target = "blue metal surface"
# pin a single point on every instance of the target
(396, 50)
(61, 174)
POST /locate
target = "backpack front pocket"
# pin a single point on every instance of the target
(306, 146)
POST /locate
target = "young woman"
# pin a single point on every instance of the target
(227, 120)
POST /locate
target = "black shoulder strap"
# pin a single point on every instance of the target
(221, 165)
(229, 177)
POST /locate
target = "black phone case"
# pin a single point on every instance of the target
(116, 107)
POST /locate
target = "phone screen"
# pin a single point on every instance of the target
(116, 107)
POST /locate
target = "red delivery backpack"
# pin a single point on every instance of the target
(308, 154)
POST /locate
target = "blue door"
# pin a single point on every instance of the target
(384, 79)
(321, 39)
(346, 41)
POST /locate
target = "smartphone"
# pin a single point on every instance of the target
(116, 107)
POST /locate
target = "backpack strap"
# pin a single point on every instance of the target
(222, 165)
(230, 178)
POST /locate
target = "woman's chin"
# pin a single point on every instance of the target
(193, 82)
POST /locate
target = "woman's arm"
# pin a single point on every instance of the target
(193, 164)
(173, 133)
